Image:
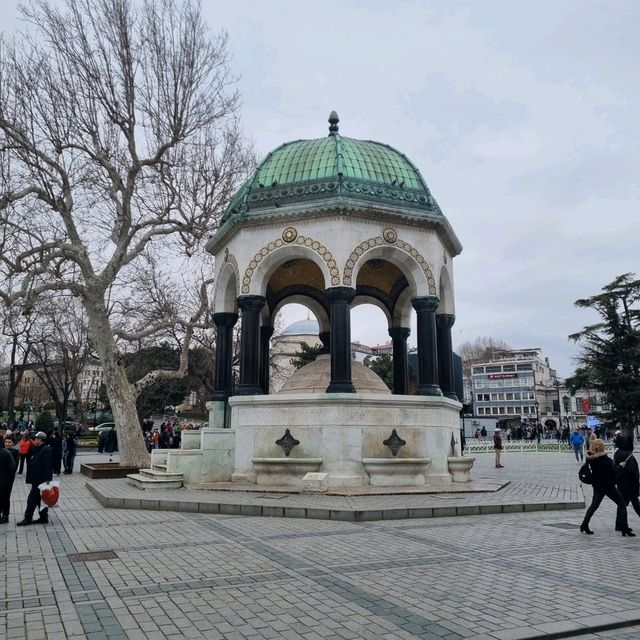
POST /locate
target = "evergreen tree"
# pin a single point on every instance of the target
(609, 359)
(383, 366)
(306, 355)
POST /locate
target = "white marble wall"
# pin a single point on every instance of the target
(342, 429)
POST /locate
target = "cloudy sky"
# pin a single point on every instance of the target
(522, 117)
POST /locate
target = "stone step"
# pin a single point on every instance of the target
(145, 482)
(159, 467)
(159, 474)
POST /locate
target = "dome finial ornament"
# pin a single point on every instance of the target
(333, 123)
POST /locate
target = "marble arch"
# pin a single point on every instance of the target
(227, 285)
(277, 252)
(446, 304)
(408, 259)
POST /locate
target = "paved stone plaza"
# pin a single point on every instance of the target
(163, 574)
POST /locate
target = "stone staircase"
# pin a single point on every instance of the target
(155, 478)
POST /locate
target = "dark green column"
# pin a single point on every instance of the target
(444, 322)
(399, 337)
(224, 350)
(341, 299)
(427, 346)
(250, 306)
(265, 337)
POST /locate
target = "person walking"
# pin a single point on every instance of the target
(55, 442)
(577, 442)
(628, 481)
(40, 470)
(497, 446)
(24, 450)
(604, 474)
(8, 466)
(70, 453)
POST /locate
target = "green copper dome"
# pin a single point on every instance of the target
(346, 170)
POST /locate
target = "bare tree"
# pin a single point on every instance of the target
(60, 349)
(17, 329)
(479, 350)
(119, 143)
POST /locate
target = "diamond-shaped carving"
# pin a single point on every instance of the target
(394, 442)
(287, 442)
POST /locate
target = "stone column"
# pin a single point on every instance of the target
(265, 337)
(444, 322)
(341, 299)
(250, 345)
(224, 351)
(427, 346)
(399, 337)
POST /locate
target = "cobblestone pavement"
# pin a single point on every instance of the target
(190, 575)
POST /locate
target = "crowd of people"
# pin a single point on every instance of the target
(617, 479)
(38, 456)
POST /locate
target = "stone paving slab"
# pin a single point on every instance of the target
(196, 575)
(492, 491)
(118, 494)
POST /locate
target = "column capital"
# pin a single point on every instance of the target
(425, 303)
(445, 320)
(399, 333)
(251, 303)
(340, 294)
(224, 319)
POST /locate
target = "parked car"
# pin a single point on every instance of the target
(105, 426)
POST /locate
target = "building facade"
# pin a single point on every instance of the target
(509, 386)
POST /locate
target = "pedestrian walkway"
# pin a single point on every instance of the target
(102, 573)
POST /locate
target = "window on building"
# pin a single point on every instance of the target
(494, 411)
(481, 411)
(525, 409)
(502, 411)
(508, 367)
(478, 369)
(508, 396)
(479, 397)
(494, 396)
(495, 369)
(525, 367)
(487, 397)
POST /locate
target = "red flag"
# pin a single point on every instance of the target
(585, 404)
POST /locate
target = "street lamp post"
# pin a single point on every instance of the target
(556, 384)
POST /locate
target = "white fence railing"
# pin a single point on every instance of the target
(486, 446)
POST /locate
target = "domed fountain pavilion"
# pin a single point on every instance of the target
(332, 223)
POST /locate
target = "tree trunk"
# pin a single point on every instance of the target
(122, 399)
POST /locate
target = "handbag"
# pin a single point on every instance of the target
(585, 474)
(50, 492)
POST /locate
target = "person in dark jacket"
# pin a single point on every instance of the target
(55, 442)
(70, 453)
(628, 481)
(497, 447)
(40, 470)
(8, 466)
(604, 473)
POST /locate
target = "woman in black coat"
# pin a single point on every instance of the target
(628, 480)
(604, 473)
(55, 442)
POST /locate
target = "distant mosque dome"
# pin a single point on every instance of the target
(307, 327)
